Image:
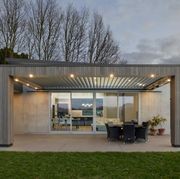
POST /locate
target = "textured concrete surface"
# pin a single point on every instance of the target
(85, 143)
(31, 112)
(152, 104)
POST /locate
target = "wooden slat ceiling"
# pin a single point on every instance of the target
(64, 82)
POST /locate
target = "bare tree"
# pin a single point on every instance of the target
(81, 43)
(87, 42)
(102, 48)
(29, 43)
(12, 23)
(43, 29)
(47, 33)
(73, 39)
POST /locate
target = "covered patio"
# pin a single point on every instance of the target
(73, 99)
(86, 143)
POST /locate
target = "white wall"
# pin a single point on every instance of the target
(152, 104)
(31, 112)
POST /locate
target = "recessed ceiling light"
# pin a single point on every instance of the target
(72, 75)
(111, 75)
(16, 79)
(168, 79)
(31, 75)
(152, 75)
(36, 88)
(27, 84)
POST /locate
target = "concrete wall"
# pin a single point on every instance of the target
(31, 112)
(152, 104)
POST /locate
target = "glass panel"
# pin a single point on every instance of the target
(131, 107)
(106, 110)
(61, 109)
(82, 111)
(121, 107)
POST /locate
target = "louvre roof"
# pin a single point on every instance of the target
(86, 82)
(94, 83)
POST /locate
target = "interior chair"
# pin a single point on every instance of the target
(129, 132)
(75, 122)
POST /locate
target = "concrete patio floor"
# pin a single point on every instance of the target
(85, 143)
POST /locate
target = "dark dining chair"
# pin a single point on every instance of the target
(129, 132)
(141, 133)
(114, 133)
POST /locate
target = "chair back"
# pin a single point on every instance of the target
(141, 133)
(114, 133)
(129, 132)
(134, 122)
(145, 124)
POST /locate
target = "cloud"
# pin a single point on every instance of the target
(171, 60)
(141, 57)
(170, 46)
(146, 45)
(159, 51)
(147, 30)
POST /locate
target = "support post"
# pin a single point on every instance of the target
(6, 108)
(175, 110)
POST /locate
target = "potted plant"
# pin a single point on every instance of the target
(154, 122)
(161, 129)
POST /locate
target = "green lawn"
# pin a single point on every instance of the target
(89, 165)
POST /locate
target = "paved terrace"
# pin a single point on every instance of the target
(85, 143)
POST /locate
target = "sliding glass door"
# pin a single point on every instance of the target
(89, 111)
(106, 110)
(72, 112)
(61, 112)
(82, 112)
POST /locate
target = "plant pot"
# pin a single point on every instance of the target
(153, 131)
(161, 131)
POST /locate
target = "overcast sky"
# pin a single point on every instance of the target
(148, 31)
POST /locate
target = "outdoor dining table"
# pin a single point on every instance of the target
(121, 125)
(115, 125)
(121, 130)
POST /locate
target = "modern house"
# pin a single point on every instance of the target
(59, 97)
